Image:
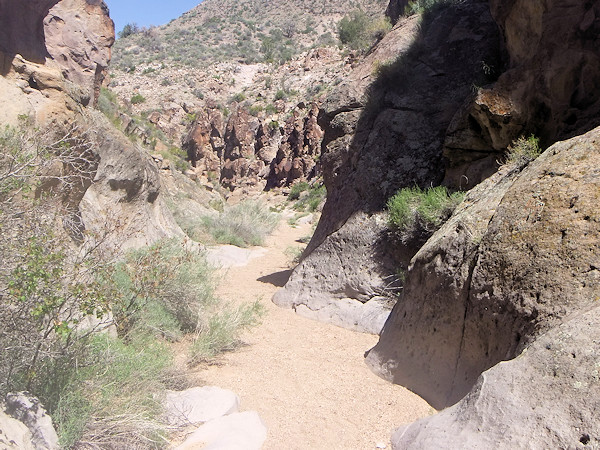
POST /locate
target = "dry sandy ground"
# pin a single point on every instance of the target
(306, 379)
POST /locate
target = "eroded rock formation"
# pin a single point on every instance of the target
(513, 272)
(53, 56)
(79, 36)
(551, 87)
(378, 141)
(248, 152)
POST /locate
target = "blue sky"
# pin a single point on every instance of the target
(147, 12)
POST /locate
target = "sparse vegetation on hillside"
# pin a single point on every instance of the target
(415, 213)
(359, 31)
(228, 30)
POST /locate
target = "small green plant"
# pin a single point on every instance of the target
(239, 97)
(136, 99)
(310, 199)
(414, 212)
(522, 151)
(222, 331)
(280, 95)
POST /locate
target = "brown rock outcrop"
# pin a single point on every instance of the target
(79, 36)
(204, 142)
(56, 53)
(514, 272)
(551, 87)
(299, 150)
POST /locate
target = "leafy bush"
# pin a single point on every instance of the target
(167, 272)
(297, 189)
(136, 99)
(247, 223)
(522, 151)
(358, 31)
(311, 199)
(414, 212)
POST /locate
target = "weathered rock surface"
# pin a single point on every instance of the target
(14, 435)
(241, 431)
(199, 404)
(518, 258)
(384, 138)
(299, 150)
(72, 37)
(79, 36)
(550, 88)
(124, 197)
(226, 256)
(548, 397)
(249, 153)
(31, 413)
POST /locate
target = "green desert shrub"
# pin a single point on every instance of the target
(136, 99)
(297, 189)
(358, 31)
(245, 224)
(414, 212)
(311, 198)
(113, 399)
(221, 332)
(522, 151)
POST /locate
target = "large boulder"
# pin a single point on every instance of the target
(28, 410)
(548, 397)
(517, 260)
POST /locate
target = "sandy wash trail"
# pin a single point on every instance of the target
(306, 379)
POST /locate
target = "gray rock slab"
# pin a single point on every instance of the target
(199, 404)
(349, 313)
(226, 256)
(241, 431)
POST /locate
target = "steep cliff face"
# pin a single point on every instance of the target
(79, 35)
(54, 56)
(378, 139)
(513, 272)
(551, 87)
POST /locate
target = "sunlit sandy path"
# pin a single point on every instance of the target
(306, 379)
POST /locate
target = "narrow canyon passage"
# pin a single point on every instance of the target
(306, 379)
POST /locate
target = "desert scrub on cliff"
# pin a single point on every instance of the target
(308, 197)
(522, 151)
(245, 224)
(416, 213)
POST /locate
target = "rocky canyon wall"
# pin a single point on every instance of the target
(384, 129)
(55, 57)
